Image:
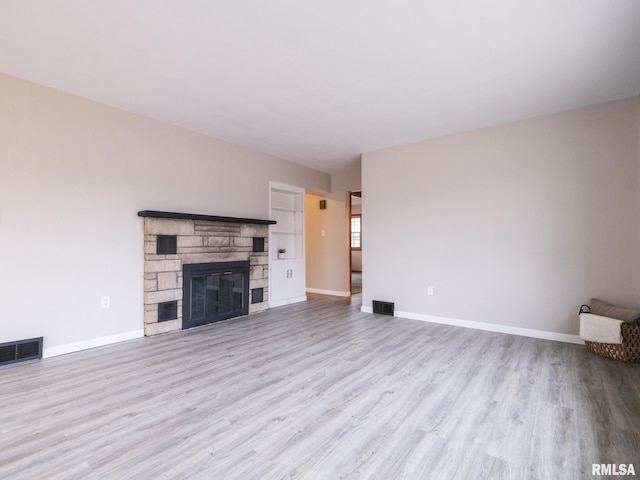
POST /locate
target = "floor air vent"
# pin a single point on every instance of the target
(385, 308)
(20, 351)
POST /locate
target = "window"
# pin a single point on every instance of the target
(356, 232)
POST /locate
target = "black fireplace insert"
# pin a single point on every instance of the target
(214, 292)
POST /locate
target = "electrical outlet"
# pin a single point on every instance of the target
(430, 290)
(105, 301)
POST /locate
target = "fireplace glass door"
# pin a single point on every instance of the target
(214, 292)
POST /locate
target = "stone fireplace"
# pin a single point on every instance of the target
(226, 259)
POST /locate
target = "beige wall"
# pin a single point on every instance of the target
(74, 173)
(513, 225)
(356, 261)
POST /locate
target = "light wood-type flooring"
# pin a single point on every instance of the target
(319, 390)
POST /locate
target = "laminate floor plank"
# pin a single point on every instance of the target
(319, 390)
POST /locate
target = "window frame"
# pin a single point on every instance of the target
(359, 216)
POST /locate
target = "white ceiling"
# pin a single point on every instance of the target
(320, 82)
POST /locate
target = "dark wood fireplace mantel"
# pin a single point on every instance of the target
(210, 218)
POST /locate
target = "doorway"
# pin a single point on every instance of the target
(355, 242)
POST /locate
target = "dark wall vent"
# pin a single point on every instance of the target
(167, 311)
(257, 295)
(385, 308)
(167, 245)
(20, 351)
(258, 244)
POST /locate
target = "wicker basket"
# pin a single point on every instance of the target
(627, 351)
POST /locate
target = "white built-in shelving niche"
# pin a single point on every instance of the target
(287, 279)
(287, 209)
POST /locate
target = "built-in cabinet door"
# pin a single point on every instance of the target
(279, 279)
(297, 281)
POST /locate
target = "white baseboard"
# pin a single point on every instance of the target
(94, 342)
(329, 292)
(287, 301)
(490, 327)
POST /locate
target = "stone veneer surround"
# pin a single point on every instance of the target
(198, 241)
